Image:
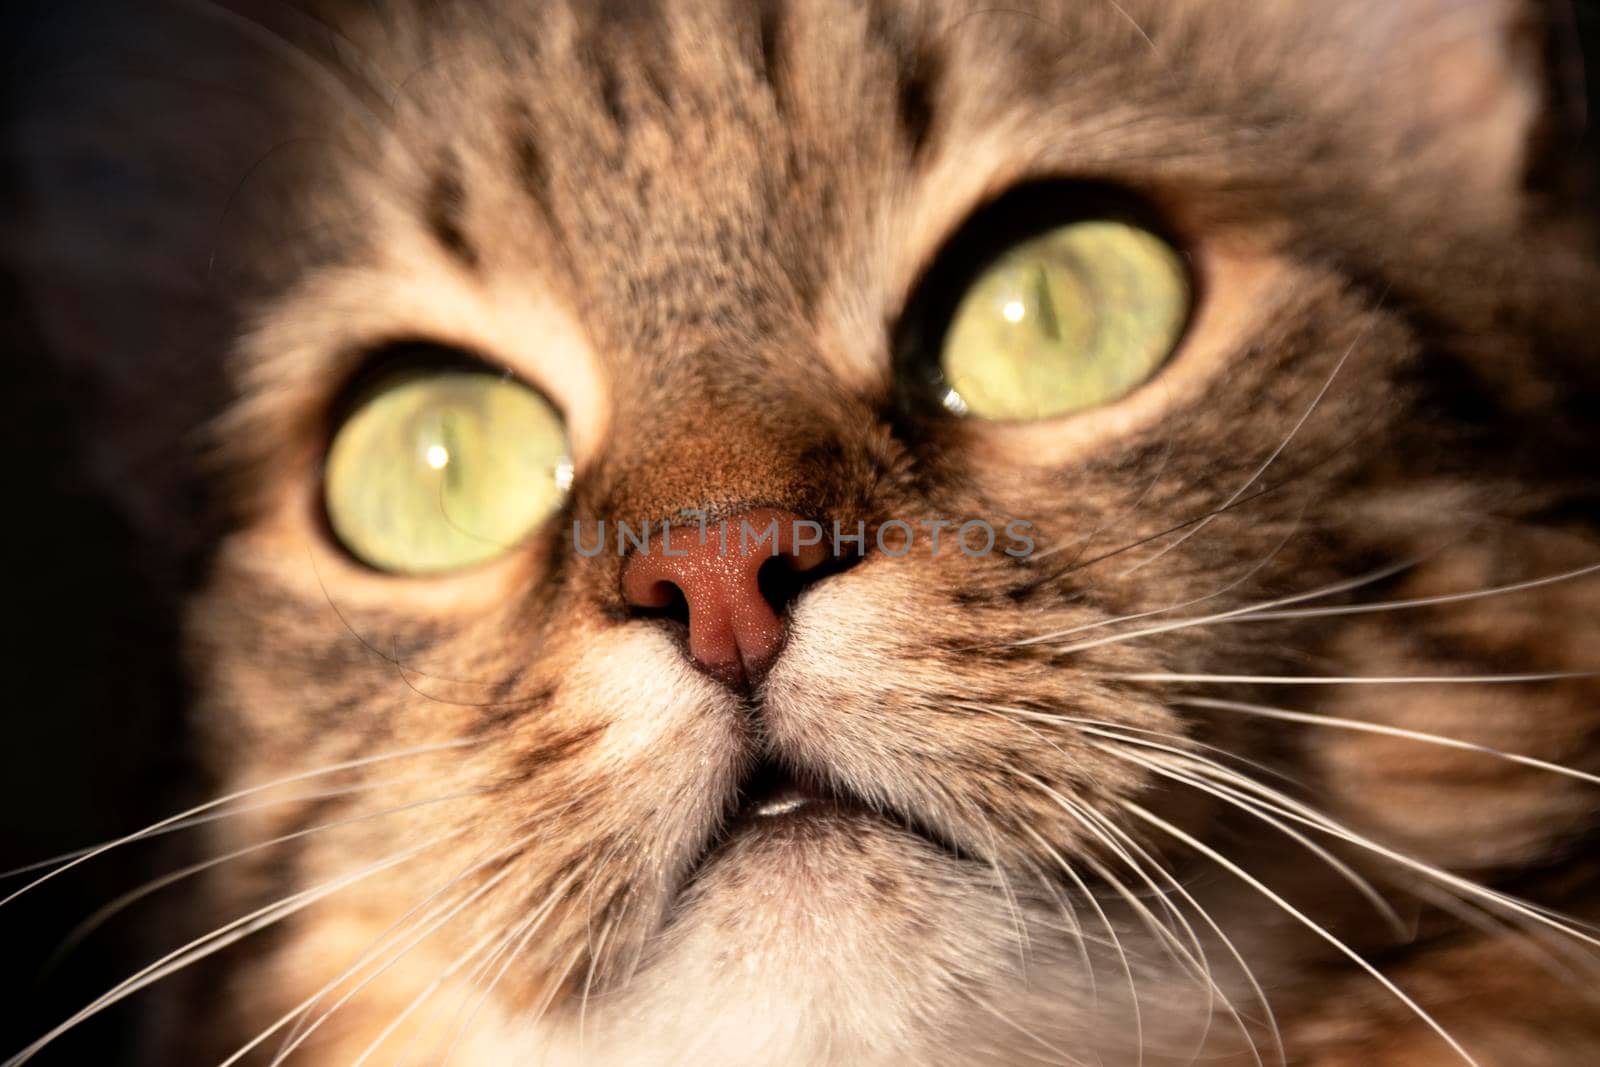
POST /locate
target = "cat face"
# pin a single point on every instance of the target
(1121, 794)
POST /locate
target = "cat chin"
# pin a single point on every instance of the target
(828, 933)
(842, 938)
(829, 936)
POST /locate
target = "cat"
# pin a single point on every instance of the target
(1272, 738)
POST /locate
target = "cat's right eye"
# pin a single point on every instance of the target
(435, 471)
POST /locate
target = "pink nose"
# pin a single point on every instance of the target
(735, 625)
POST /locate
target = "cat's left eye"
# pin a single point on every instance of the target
(439, 470)
(1062, 321)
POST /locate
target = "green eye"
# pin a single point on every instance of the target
(1072, 319)
(438, 471)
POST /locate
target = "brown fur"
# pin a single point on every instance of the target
(698, 227)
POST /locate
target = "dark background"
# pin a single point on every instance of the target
(91, 693)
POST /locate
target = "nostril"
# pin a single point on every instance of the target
(661, 600)
(784, 577)
(781, 582)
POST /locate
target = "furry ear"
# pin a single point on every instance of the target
(1496, 86)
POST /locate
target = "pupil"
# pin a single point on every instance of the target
(449, 445)
(1049, 323)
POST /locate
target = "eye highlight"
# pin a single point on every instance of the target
(435, 471)
(1071, 319)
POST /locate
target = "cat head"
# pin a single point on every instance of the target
(701, 265)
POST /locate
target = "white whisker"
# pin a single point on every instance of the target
(220, 938)
(1430, 601)
(94, 921)
(215, 816)
(1062, 1055)
(153, 828)
(1249, 975)
(431, 923)
(1183, 624)
(522, 933)
(1356, 679)
(1233, 868)
(483, 859)
(1099, 826)
(1294, 810)
(1073, 925)
(1115, 731)
(1294, 431)
(1262, 812)
(422, 997)
(1082, 543)
(1317, 719)
(1195, 961)
(1111, 931)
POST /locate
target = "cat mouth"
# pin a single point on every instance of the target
(771, 792)
(780, 801)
